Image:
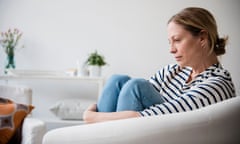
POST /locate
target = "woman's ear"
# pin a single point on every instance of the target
(203, 38)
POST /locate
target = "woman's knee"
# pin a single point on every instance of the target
(120, 79)
(134, 86)
(137, 83)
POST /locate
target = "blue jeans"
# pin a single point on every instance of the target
(122, 93)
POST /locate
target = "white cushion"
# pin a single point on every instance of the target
(70, 109)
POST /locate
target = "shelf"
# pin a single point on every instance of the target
(16, 75)
(8, 77)
(39, 74)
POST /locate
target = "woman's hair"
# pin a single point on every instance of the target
(194, 20)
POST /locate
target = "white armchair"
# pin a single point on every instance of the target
(215, 124)
(33, 129)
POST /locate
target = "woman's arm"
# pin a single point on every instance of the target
(91, 116)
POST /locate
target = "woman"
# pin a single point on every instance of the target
(197, 80)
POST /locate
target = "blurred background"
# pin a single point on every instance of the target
(131, 34)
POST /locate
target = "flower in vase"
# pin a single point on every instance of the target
(9, 41)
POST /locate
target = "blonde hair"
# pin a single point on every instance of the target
(194, 20)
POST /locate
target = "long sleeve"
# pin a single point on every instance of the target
(211, 86)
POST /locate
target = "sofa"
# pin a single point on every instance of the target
(32, 129)
(215, 124)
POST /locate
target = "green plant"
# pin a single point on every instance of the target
(95, 59)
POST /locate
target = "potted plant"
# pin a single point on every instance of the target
(95, 62)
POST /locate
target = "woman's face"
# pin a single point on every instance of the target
(185, 47)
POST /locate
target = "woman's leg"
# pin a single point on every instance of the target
(108, 100)
(137, 95)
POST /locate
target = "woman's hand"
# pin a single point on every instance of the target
(92, 107)
(91, 116)
(89, 113)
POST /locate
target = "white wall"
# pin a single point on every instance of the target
(131, 34)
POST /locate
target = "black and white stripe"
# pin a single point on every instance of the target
(209, 87)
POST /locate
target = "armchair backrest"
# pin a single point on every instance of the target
(17, 93)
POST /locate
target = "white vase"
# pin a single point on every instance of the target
(94, 71)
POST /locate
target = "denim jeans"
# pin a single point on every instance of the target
(122, 93)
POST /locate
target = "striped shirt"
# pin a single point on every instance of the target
(209, 87)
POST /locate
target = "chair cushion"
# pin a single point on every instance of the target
(11, 117)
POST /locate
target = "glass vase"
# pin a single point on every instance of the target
(10, 63)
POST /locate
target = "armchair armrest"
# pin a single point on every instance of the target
(218, 123)
(32, 131)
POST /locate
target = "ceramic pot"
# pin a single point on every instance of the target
(94, 71)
